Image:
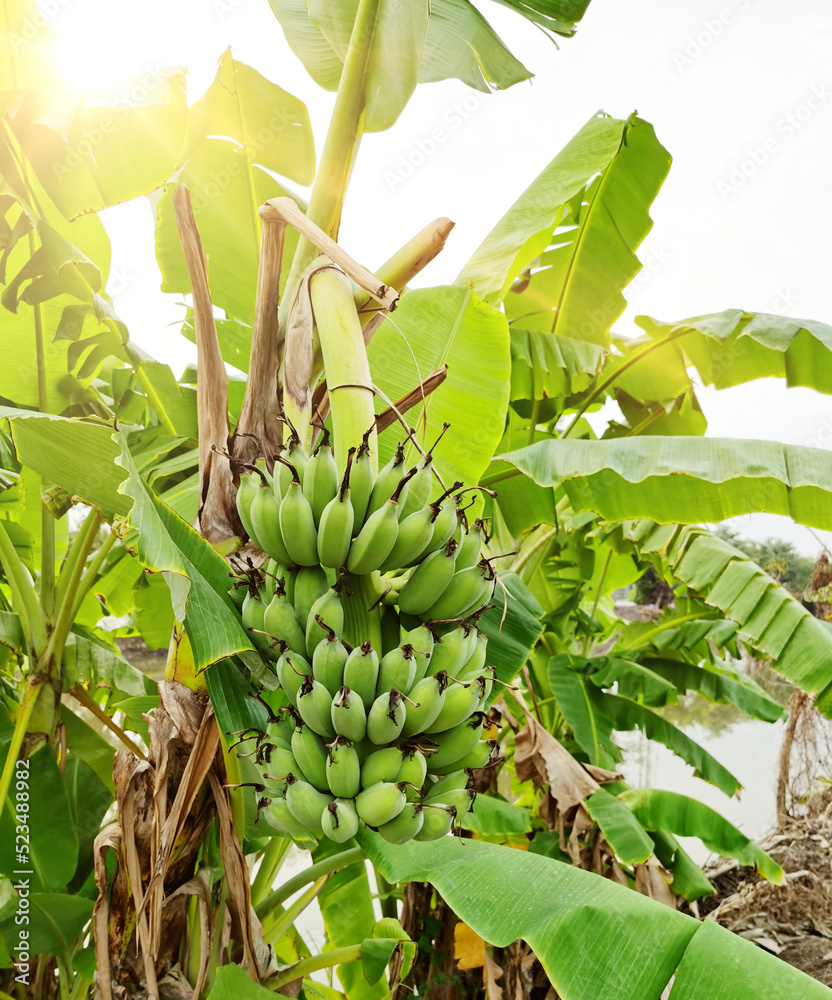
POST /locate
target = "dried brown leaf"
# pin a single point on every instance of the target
(258, 432)
(285, 210)
(217, 518)
(539, 757)
(576, 845)
(107, 940)
(601, 775)
(134, 795)
(200, 886)
(299, 347)
(490, 974)
(652, 882)
(236, 876)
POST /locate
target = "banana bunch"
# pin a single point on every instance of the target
(382, 731)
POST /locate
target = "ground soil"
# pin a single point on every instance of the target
(794, 919)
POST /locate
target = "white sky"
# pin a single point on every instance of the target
(718, 80)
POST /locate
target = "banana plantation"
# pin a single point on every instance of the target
(379, 547)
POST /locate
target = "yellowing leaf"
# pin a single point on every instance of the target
(469, 947)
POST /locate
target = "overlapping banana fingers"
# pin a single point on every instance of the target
(383, 729)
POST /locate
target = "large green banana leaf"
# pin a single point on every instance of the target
(625, 835)
(243, 131)
(415, 43)
(548, 366)
(684, 480)
(51, 445)
(734, 346)
(628, 714)
(196, 574)
(596, 940)
(446, 326)
(104, 156)
(656, 809)
(53, 838)
(584, 216)
(771, 621)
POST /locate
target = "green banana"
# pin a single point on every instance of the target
(470, 551)
(246, 492)
(281, 727)
(320, 478)
(421, 639)
(422, 482)
(451, 651)
(429, 695)
(474, 666)
(483, 597)
(339, 821)
(382, 765)
(310, 752)
(297, 524)
(380, 803)
(292, 671)
(310, 584)
(465, 589)
(460, 701)
(293, 456)
(374, 541)
(386, 482)
(280, 622)
(328, 662)
(277, 817)
(315, 707)
(271, 571)
(481, 754)
(349, 717)
(361, 481)
(280, 762)
(445, 519)
(486, 679)
(414, 534)
(446, 788)
(343, 772)
(438, 821)
(414, 768)
(361, 672)
(265, 519)
(428, 580)
(326, 613)
(337, 523)
(397, 669)
(385, 719)
(306, 803)
(405, 826)
(253, 614)
(454, 744)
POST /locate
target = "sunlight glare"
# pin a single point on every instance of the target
(107, 54)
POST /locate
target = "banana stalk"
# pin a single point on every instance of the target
(340, 147)
(402, 268)
(345, 362)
